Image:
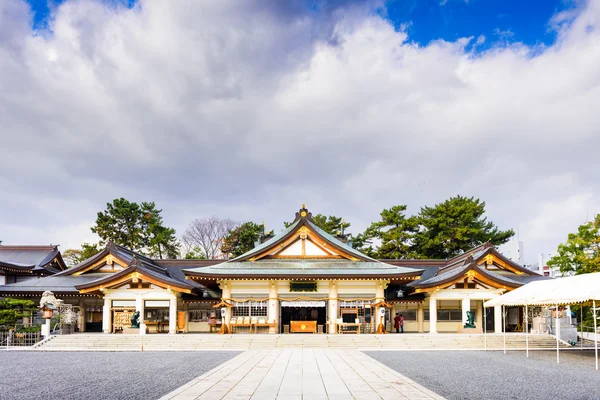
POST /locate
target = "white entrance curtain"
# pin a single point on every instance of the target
(303, 304)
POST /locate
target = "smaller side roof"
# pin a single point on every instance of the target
(41, 259)
(59, 284)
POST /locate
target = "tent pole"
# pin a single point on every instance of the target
(556, 333)
(504, 327)
(484, 329)
(595, 336)
(581, 324)
(526, 331)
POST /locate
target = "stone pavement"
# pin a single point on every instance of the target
(302, 374)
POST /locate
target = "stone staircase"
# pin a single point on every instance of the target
(198, 342)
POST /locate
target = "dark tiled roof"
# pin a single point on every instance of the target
(139, 267)
(54, 283)
(31, 258)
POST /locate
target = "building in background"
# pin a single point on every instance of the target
(23, 263)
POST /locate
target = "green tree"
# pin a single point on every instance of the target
(394, 232)
(242, 239)
(453, 226)
(159, 240)
(13, 310)
(137, 227)
(73, 257)
(580, 254)
(120, 223)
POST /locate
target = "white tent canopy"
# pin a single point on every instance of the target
(582, 288)
(571, 290)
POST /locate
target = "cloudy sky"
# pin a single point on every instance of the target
(248, 109)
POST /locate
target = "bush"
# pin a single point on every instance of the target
(29, 329)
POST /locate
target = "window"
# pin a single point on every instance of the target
(200, 315)
(409, 314)
(456, 315)
(250, 309)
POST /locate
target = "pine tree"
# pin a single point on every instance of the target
(456, 225)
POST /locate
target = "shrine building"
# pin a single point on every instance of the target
(302, 280)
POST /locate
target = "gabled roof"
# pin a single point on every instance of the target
(168, 272)
(255, 265)
(475, 260)
(31, 259)
(121, 253)
(139, 269)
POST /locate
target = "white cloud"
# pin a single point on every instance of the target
(249, 111)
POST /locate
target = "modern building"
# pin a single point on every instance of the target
(301, 280)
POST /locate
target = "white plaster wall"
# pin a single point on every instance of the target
(257, 289)
(366, 288)
(198, 327)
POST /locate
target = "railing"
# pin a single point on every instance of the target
(16, 339)
(588, 332)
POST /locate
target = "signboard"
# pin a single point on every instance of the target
(303, 286)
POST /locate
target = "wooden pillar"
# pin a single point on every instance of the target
(273, 311)
(139, 306)
(479, 314)
(106, 316)
(420, 318)
(226, 295)
(380, 296)
(432, 315)
(173, 315)
(333, 306)
(82, 315)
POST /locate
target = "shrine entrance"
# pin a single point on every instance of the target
(303, 316)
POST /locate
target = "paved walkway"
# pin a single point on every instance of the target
(302, 374)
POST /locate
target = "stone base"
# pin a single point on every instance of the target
(462, 329)
(131, 331)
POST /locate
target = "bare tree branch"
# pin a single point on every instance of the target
(207, 235)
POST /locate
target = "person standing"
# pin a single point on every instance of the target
(401, 323)
(397, 322)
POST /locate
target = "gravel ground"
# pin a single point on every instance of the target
(492, 375)
(101, 375)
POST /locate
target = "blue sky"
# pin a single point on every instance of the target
(427, 20)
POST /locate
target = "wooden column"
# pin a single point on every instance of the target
(226, 296)
(82, 314)
(420, 318)
(106, 316)
(479, 314)
(139, 306)
(333, 306)
(432, 315)
(173, 316)
(273, 311)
